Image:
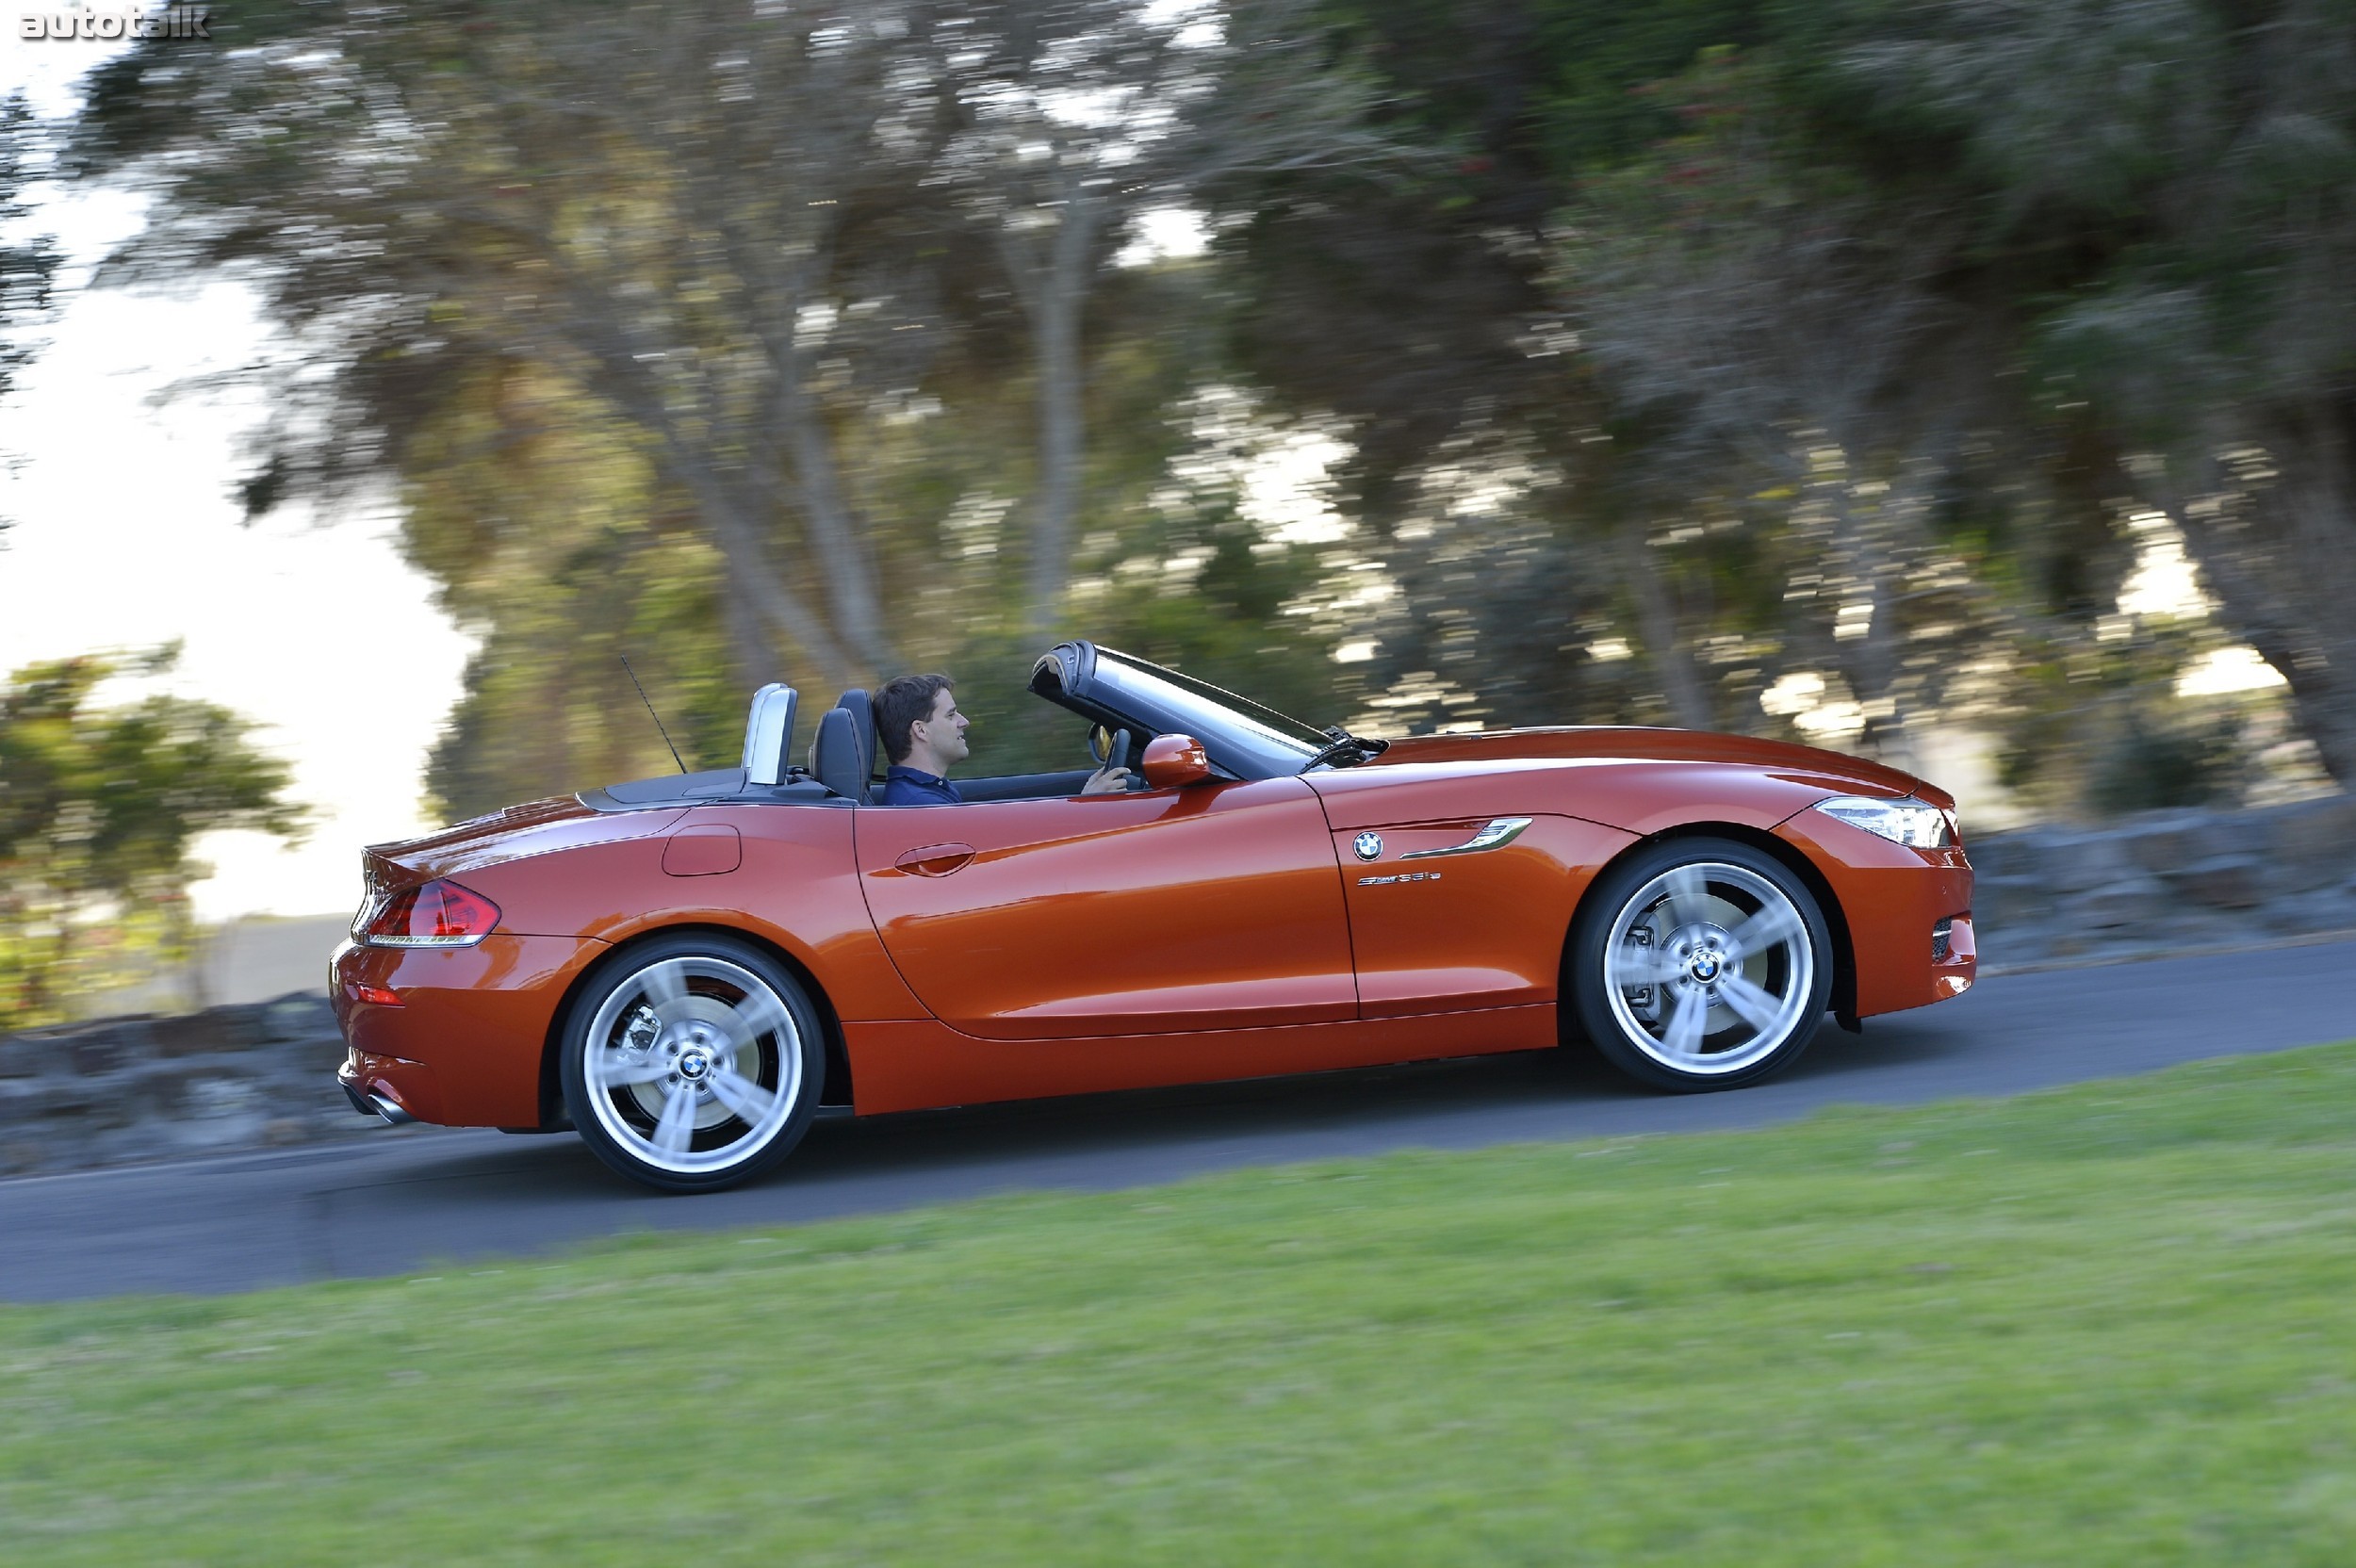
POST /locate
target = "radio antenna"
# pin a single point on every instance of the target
(650, 712)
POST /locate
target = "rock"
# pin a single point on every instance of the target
(202, 1034)
(2009, 902)
(2082, 862)
(2223, 881)
(290, 1019)
(2313, 845)
(2127, 899)
(97, 1054)
(2011, 854)
(2167, 842)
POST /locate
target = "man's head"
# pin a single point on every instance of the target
(918, 721)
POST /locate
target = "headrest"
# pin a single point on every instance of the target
(834, 756)
(769, 734)
(862, 711)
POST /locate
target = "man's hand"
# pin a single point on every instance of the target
(1106, 781)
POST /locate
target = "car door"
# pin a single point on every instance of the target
(1450, 909)
(1215, 906)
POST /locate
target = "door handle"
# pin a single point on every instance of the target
(935, 860)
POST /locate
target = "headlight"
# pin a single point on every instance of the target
(1902, 822)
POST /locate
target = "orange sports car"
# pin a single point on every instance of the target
(689, 971)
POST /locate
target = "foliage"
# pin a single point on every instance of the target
(27, 265)
(1678, 357)
(2106, 1325)
(98, 810)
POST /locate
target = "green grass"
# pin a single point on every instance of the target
(2111, 1325)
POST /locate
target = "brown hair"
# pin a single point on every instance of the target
(901, 703)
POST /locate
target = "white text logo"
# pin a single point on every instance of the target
(181, 22)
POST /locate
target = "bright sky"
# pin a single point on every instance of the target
(126, 535)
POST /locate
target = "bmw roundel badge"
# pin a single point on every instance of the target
(1368, 845)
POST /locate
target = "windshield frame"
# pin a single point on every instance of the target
(1242, 738)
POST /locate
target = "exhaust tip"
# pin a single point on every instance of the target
(394, 1115)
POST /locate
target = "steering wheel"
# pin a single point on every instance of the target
(1109, 748)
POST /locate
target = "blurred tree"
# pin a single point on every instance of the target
(1670, 358)
(98, 808)
(553, 539)
(1833, 340)
(1083, 114)
(1766, 320)
(588, 284)
(2165, 195)
(1421, 316)
(27, 263)
(719, 232)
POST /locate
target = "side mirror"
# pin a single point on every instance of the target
(1174, 761)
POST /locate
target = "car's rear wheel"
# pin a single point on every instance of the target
(693, 1063)
(1700, 964)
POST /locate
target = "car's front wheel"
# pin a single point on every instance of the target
(1700, 964)
(693, 1063)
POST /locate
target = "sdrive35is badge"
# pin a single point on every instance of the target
(1368, 845)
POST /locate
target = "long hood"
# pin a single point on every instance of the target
(1636, 743)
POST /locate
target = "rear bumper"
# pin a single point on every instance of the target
(387, 1088)
(461, 1044)
(382, 1106)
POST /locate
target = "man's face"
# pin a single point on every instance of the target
(943, 733)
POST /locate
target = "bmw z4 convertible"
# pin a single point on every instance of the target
(689, 971)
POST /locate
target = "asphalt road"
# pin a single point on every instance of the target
(423, 1198)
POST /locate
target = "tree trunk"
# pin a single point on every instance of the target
(1054, 290)
(1869, 663)
(2277, 550)
(1672, 660)
(834, 532)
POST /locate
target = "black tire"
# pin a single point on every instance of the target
(704, 1015)
(1699, 964)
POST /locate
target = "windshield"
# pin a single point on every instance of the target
(1179, 704)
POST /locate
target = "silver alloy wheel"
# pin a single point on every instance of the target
(1709, 968)
(693, 1065)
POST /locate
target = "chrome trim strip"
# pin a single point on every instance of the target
(1500, 832)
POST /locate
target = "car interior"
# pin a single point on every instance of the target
(845, 757)
(845, 765)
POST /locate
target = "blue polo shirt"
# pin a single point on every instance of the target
(907, 787)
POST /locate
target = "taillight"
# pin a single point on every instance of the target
(440, 914)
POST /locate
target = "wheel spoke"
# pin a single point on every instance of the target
(621, 1069)
(1685, 1024)
(1686, 890)
(671, 1134)
(759, 1014)
(741, 1095)
(1758, 1007)
(666, 985)
(1639, 964)
(1772, 926)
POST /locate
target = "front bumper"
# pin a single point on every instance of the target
(1892, 897)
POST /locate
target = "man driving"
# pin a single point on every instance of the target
(923, 737)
